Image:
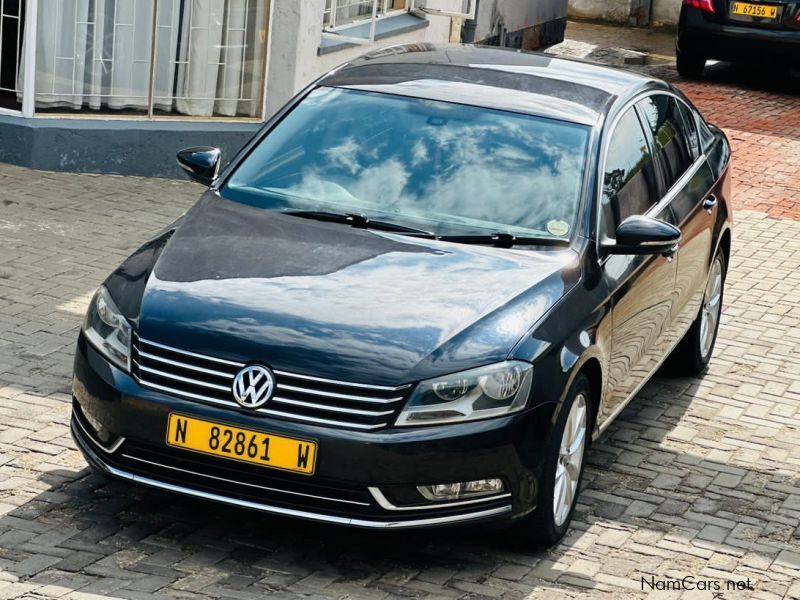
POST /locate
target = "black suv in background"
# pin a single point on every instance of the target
(737, 30)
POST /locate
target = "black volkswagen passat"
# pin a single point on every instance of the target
(416, 296)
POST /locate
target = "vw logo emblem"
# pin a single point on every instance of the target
(253, 386)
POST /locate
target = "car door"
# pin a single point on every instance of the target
(689, 181)
(641, 287)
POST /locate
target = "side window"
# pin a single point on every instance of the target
(690, 120)
(629, 181)
(673, 151)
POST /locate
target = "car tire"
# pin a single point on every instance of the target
(562, 471)
(690, 66)
(692, 355)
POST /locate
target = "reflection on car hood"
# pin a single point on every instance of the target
(326, 299)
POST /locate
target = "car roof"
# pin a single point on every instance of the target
(501, 78)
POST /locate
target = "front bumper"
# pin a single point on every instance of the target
(735, 42)
(363, 479)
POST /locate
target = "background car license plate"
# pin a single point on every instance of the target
(255, 447)
(763, 11)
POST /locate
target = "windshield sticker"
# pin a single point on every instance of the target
(557, 227)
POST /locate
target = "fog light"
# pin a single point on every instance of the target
(464, 489)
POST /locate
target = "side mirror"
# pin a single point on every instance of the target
(200, 163)
(644, 235)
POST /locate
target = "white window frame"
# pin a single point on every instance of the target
(333, 31)
(28, 89)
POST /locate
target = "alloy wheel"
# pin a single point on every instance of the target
(570, 460)
(712, 305)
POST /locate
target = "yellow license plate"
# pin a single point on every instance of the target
(245, 445)
(763, 11)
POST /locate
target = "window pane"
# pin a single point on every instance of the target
(12, 27)
(210, 58)
(93, 56)
(342, 12)
(442, 167)
(690, 121)
(672, 147)
(629, 184)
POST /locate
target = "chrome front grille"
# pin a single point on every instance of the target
(297, 397)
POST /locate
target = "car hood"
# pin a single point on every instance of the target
(326, 299)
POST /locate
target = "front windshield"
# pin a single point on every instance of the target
(445, 168)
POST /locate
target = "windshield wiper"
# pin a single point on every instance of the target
(356, 220)
(498, 239)
(502, 240)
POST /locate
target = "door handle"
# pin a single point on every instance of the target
(709, 203)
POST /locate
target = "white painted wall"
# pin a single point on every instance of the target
(662, 12)
(614, 11)
(665, 12)
(514, 16)
(295, 36)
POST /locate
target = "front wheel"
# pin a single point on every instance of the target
(690, 66)
(562, 470)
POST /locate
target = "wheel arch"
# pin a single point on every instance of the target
(594, 373)
(724, 244)
(589, 364)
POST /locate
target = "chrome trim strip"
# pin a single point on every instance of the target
(187, 353)
(253, 485)
(301, 390)
(344, 383)
(110, 450)
(339, 409)
(192, 395)
(264, 411)
(182, 365)
(278, 413)
(197, 382)
(301, 514)
(384, 503)
(678, 186)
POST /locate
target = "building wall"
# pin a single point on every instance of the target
(665, 12)
(613, 11)
(662, 12)
(296, 35)
(496, 15)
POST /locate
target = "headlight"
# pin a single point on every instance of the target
(490, 391)
(107, 329)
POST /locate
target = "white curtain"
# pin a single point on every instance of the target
(93, 53)
(220, 58)
(96, 54)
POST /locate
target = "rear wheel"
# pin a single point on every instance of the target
(562, 472)
(692, 355)
(690, 66)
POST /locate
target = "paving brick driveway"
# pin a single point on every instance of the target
(697, 477)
